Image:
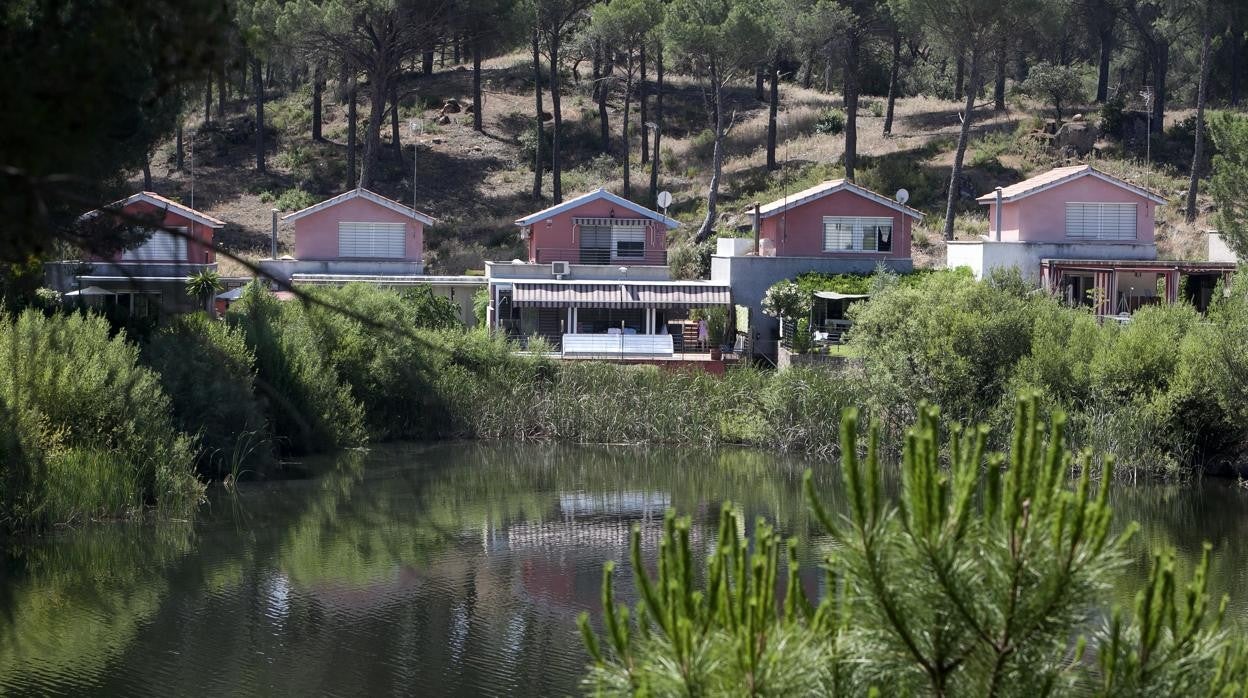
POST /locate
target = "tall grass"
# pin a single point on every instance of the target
(85, 431)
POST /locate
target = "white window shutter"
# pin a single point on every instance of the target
(162, 246)
(372, 240)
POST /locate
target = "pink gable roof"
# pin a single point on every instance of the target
(1061, 175)
(164, 204)
(824, 189)
(361, 194)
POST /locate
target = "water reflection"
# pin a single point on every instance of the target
(456, 569)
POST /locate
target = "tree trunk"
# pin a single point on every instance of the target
(346, 83)
(1105, 39)
(628, 186)
(998, 88)
(642, 119)
(852, 44)
(208, 100)
(604, 76)
(378, 91)
(477, 118)
(772, 111)
(537, 96)
(1161, 65)
(1020, 65)
(179, 161)
(394, 125)
(257, 86)
(221, 93)
(955, 179)
(658, 120)
(1202, 91)
(893, 69)
(556, 173)
(353, 129)
(147, 173)
(717, 165)
(959, 74)
(759, 92)
(810, 69)
(318, 100)
(426, 62)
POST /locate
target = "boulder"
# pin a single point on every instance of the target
(1076, 137)
(451, 106)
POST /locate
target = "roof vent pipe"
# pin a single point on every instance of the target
(757, 226)
(997, 209)
(273, 237)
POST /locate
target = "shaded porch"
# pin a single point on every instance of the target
(1120, 287)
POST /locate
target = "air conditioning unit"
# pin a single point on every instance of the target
(560, 268)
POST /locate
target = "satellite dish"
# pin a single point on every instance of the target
(665, 199)
(902, 196)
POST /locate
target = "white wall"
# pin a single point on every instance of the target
(984, 256)
(1219, 251)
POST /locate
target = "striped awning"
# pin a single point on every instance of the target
(619, 295)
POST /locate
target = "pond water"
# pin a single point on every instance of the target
(453, 569)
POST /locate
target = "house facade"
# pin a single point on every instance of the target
(596, 284)
(835, 227)
(1087, 237)
(148, 278)
(358, 232)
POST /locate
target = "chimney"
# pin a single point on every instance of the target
(273, 237)
(997, 210)
(757, 227)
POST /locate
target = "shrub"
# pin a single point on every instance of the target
(831, 122)
(85, 430)
(208, 371)
(702, 145)
(307, 406)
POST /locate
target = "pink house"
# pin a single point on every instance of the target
(1088, 237)
(148, 279)
(836, 219)
(180, 235)
(359, 226)
(597, 228)
(1072, 204)
(596, 284)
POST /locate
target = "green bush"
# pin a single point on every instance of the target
(702, 145)
(309, 409)
(831, 122)
(208, 371)
(85, 431)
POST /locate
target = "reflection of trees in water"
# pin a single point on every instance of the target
(1185, 516)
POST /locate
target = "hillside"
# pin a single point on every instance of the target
(476, 184)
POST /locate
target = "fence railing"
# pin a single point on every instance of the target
(650, 257)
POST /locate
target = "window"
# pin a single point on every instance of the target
(604, 240)
(857, 234)
(161, 246)
(372, 240)
(1100, 221)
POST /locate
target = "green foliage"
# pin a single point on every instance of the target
(307, 406)
(208, 371)
(85, 431)
(831, 122)
(982, 578)
(289, 200)
(1228, 184)
(481, 305)
(786, 300)
(802, 339)
(1059, 85)
(702, 145)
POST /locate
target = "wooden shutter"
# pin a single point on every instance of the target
(372, 240)
(162, 246)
